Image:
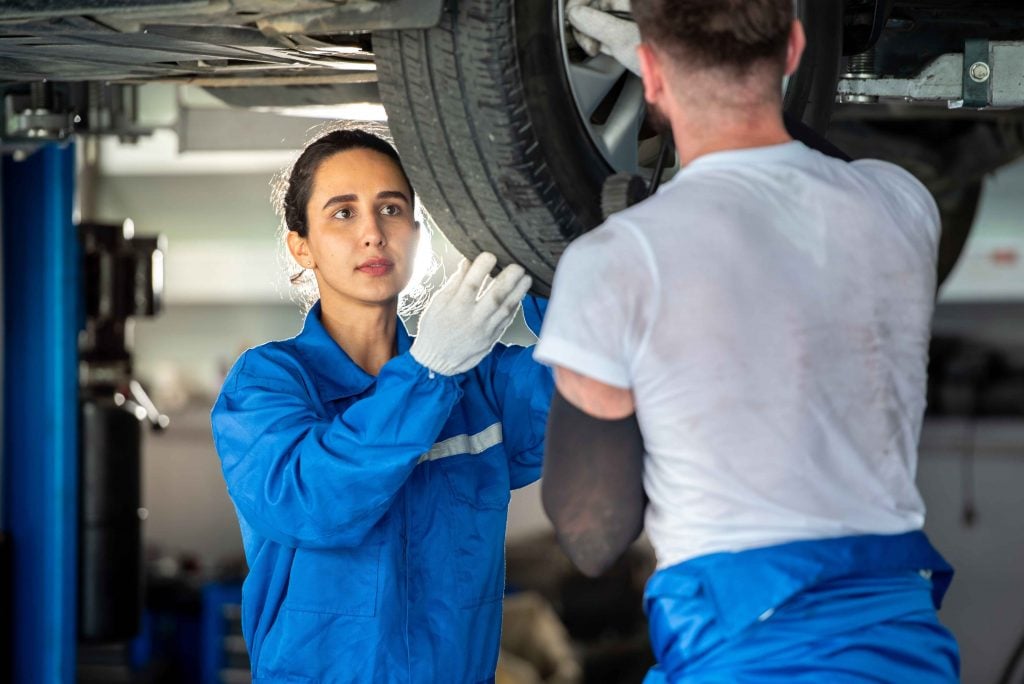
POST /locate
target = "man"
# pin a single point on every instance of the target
(741, 363)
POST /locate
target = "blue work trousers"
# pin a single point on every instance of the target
(838, 611)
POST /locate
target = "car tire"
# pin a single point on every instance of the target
(482, 112)
(958, 208)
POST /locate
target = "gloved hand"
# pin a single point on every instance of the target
(598, 30)
(461, 325)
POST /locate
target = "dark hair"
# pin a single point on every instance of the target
(300, 179)
(735, 34)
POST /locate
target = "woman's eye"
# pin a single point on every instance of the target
(391, 210)
(343, 214)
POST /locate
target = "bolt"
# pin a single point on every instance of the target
(980, 72)
(38, 94)
(862, 66)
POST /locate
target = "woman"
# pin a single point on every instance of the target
(371, 471)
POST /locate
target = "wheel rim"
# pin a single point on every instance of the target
(602, 86)
(609, 100)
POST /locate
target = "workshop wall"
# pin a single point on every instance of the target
(970, 469)
(225, 293)
(970, 475)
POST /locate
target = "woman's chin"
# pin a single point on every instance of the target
(376, 292)
(382, 294)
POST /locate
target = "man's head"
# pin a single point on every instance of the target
(717, 53)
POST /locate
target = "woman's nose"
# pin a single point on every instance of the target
(374, 236)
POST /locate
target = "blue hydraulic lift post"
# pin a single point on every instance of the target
(40, 409)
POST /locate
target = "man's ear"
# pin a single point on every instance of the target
(795, 47)
(299, 248)
(652, 72)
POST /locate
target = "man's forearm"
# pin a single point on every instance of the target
(592, 487)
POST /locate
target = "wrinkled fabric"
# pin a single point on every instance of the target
(373, 509)
(852, 609)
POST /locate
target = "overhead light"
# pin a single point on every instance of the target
(355, 111)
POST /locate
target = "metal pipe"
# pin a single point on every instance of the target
(40, 409)
(251, 81)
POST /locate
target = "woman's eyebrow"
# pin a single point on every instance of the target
(393, 194)
(341, 199)
(384, 194)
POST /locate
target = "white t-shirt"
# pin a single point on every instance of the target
(770, 309)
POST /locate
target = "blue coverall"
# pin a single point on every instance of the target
(373, 509)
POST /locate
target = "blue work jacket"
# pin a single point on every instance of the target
(373, 509)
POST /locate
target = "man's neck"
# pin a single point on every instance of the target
(706, 132)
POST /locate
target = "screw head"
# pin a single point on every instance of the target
(980, 72)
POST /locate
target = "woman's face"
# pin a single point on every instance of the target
(362, 236)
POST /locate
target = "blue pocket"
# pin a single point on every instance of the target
(335, 581)
(480, 480)
(479, 486)
(683, 622)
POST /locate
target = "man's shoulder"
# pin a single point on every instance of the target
(701, 188)
(679, 209)
(906, 192)
(887, 172)
(616, 235)
(673, 201)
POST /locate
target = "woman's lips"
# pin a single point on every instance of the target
(376, 267)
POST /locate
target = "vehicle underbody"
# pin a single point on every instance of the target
(509, 154)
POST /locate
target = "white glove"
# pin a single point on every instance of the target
(461, 325)
(597, 30)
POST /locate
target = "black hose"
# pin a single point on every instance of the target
(659, 167)
(1013, 664)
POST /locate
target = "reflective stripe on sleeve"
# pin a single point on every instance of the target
(465, 444)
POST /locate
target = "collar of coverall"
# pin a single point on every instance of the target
(337, 375)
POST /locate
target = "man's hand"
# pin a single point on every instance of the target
(601, 26)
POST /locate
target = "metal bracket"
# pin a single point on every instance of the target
(977, 73)
(988, 74)
(53, 112)
(25, 122)
(40, 113)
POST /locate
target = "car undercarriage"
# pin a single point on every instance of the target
(510, 154)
